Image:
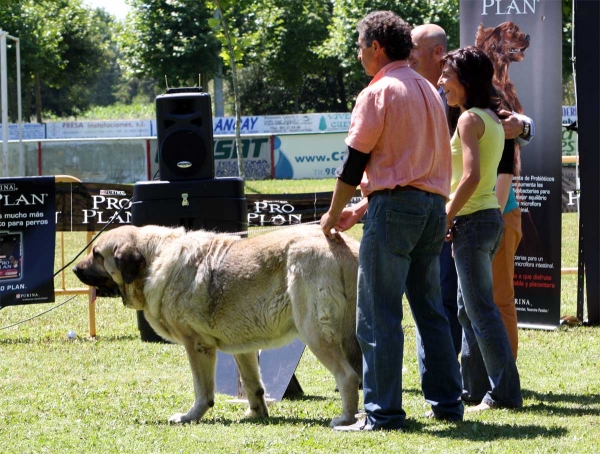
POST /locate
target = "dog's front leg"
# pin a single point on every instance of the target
(255, 390)
(202, 362)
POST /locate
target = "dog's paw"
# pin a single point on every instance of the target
(342, 421)
(180, 418)
(260, 412)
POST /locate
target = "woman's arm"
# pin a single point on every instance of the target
(470, 129)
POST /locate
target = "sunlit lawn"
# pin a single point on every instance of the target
(115, 393)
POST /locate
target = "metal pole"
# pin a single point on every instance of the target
(19, 109)
(4, 94)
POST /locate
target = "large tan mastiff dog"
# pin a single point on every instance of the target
(211, 291)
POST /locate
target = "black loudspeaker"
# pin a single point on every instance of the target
(185, 135)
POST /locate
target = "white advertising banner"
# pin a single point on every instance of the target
(329, 122)
(30, 131)
(298, 156)
(97, 129)
(248, 125)
(280, 124)
(256, 151)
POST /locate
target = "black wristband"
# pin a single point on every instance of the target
(354, 165)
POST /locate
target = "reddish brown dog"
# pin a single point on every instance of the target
(504, 44)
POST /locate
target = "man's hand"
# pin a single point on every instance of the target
(513, 127)
(329, 227)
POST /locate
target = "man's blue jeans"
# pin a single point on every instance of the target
(402, 237)
(488, 368)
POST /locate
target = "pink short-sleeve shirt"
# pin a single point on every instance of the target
(400, 120)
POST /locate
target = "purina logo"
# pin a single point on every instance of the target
(8, 187)
(504, 7)
(112, 192)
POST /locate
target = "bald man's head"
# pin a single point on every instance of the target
(429, 46)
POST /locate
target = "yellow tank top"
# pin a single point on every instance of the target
(491, 145)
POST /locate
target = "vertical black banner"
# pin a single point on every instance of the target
(27, 240)
(524, 40)
(587, 64)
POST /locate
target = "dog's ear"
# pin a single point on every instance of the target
(480, 35)
(130, 262)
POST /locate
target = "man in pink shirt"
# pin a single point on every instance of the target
(399, 153)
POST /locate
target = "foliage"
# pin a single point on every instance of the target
(118, 111)
(232, 53)
(282, 72)
(62, 51)
(341, 43)
(169, 39)
(292, 56)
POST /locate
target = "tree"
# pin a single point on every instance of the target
(232, 53)
(60, 49)
(169, 39)
(303, 57)
(282, 70)
(342, 40)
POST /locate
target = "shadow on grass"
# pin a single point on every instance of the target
(468, 430)
(271, 421)
(305, 398)
(287, 421)
(61, 340)
(480, 431)
(546, 403)
(251, 189)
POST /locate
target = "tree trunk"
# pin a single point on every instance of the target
(342, 91)
(238, 114)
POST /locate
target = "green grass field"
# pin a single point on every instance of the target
(114, 394)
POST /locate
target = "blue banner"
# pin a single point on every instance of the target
(27, 240)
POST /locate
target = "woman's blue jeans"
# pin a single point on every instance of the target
(488, 368)
(399, 253)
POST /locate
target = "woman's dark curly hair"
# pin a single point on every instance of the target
(389, 30)
(475, 72)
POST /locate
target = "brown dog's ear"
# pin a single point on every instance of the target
(480, 35)
(130, 263)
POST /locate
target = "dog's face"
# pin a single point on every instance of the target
(504, 42)
(113, 265)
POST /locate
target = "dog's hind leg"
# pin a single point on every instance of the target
(253, 387)
(203, 364)
(346, 378)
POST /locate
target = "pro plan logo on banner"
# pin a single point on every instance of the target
(109, 206)
(505, 7)
(273, 212)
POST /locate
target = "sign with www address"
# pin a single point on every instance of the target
(295, 157)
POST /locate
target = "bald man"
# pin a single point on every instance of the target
(429, 46)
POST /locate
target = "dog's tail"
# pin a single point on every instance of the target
(350, 345)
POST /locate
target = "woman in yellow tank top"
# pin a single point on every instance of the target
(474, 225)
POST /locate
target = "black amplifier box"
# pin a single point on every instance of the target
(217, 204)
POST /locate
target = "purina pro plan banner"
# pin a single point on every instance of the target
(27, 240)
(523, 38)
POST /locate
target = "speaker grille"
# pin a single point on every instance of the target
(185, 147)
